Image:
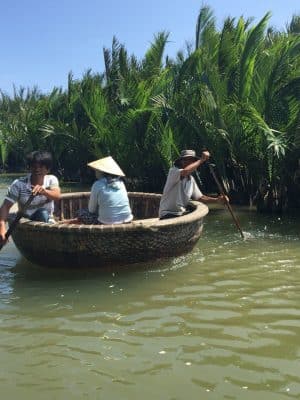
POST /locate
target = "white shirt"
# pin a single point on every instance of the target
(177, 193)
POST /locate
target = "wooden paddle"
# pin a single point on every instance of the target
(212, 171)
(19, 215)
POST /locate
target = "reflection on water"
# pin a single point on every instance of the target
(219, 323)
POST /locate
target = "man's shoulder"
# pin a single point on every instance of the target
(51, 178)
(23, 180)
(173, 179)
(174, 171)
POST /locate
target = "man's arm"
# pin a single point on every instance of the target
(195, 165)
(4, 211)
(221, 199)
(50, 193)
(51, 189)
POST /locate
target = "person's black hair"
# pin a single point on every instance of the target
(107, 175)
(41, 157)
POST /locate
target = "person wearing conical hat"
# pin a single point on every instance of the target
(181, 187)
(109, 198)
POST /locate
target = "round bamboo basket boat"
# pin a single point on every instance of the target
(146, 238)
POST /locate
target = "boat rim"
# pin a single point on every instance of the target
(199, 211)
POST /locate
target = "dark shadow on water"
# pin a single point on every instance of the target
(33, 287)
(24, 269)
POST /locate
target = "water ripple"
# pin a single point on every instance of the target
(222, 321)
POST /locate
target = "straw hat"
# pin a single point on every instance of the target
(187, 154)
(108, 165)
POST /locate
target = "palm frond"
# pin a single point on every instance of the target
(152, 62)
(205, 21)
(248, 57)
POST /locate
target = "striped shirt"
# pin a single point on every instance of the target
(20, 190)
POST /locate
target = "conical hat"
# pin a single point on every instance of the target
(108, 165)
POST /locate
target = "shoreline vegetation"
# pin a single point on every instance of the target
(235, 91)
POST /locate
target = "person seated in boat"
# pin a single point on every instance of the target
(181, 187)
(40, 183)
(109, 202)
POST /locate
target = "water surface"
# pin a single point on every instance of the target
(222, 322)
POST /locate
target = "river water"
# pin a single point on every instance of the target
(222, 322)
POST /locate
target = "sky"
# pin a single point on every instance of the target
(41, 41)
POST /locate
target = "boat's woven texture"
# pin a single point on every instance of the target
(146, 238)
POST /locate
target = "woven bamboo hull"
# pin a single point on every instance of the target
(145, 239)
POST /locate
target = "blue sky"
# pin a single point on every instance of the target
(41, 41)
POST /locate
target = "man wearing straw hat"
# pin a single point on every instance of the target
(109, 198)
(180, 186)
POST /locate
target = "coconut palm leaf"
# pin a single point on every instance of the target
(247, 63)
(293, 28)
(205, 23)
(153, 60)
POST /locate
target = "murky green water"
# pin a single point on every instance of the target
(220, 323)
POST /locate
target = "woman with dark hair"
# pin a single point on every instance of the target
(40, 183)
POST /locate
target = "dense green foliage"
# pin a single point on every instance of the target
(236, 93)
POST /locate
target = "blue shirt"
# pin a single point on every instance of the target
(109, 198)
